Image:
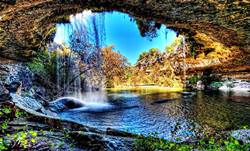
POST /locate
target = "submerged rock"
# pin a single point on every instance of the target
(187, 95)
(162, 101)
(65, 103)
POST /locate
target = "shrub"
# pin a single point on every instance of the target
(194, 79)
(152, 143)
(43, 64)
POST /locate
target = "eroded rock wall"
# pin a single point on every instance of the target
(24, 24)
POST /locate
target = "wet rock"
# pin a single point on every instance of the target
(90, 140)
(4, 93)
(27, 102)
(95, 141)
(242, 135)
(18, 75)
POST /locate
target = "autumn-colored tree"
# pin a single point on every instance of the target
(153, 67)
(114, 66)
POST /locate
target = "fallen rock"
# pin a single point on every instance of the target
(27, 102)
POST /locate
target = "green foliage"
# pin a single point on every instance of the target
(152, 143)
(20, 114)
(4, 125)
(8, 113)
(193, 52)
(149, 55)
(174, 46)
(245, 127)
(142, 55)
(6, 110)
(3, 144)
(43, 64)
(192, 48)
(25, 137)
(37, 65)
(194, 79)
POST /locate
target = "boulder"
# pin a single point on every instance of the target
(27, 102)
(65, 103)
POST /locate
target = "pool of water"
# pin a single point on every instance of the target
(170, 115)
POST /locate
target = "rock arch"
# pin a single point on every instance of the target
(25, 24)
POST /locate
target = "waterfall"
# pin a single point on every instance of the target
(77, 51)
(184, 60)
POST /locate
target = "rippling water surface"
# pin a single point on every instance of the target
(170, 115)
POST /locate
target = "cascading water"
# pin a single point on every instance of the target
(77, 51)
(184, 60)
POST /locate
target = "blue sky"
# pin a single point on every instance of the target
(125, 36)
(120, 32)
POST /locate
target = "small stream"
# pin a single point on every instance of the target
(170, 115)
